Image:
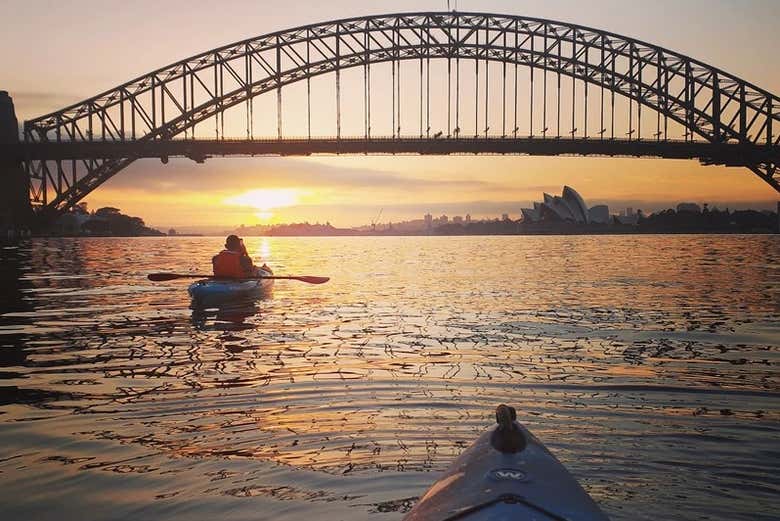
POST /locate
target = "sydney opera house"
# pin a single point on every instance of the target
(568, 207)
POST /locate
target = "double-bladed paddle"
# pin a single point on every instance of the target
(163, 277)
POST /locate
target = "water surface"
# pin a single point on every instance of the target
(647, 364)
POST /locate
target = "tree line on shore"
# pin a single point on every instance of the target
(103, 222)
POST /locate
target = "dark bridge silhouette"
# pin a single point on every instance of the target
(581, 92)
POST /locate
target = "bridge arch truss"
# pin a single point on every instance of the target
(713, 107)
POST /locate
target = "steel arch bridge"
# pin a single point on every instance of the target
(723, 119)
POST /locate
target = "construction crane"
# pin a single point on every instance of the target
(375, 221)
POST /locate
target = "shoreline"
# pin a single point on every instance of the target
(521, 234)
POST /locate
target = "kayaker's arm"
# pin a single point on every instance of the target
(246, 261)
(247, 265)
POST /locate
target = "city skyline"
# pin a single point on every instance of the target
(494, 211)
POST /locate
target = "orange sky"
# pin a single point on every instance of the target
(91, 46)
(351, 190)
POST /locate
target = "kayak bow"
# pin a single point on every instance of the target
(506, 474)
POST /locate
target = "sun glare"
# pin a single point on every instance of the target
(265, 200)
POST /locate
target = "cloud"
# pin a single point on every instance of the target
(651, 205)
(359, 213)
(238, 174)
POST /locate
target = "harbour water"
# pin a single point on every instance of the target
(647, 364)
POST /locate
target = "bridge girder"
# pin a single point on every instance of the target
(710, 104)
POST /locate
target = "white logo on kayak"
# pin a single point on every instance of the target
(508, 475)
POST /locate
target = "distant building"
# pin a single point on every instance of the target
(171, 232)
(530, 215)
(504, 216)
(576, 204)
(568, 207)
(457, 219)
(629, 211)
(468, 218)
(599, 214)
(444, 219)
(689, 207)
(428, 221)
(555, 208)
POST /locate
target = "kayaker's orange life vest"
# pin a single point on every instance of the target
(228, 264)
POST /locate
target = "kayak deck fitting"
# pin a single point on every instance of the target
(507, 474)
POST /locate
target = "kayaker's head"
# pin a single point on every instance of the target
(233, 243)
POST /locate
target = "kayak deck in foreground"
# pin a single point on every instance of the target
(506, 474)
(226, 289)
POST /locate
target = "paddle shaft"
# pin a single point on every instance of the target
(162, 277)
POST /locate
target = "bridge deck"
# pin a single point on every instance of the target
(732, 154)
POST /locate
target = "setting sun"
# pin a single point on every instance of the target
(266, 200)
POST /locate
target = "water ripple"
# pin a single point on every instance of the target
(640, 361)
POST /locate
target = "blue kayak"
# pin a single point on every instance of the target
(229, 289)
(507, 474)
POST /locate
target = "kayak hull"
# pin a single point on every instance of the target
(230, 289)
(485, 484)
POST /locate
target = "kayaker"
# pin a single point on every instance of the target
(234, 262)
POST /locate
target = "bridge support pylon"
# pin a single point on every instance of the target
(16, 215)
